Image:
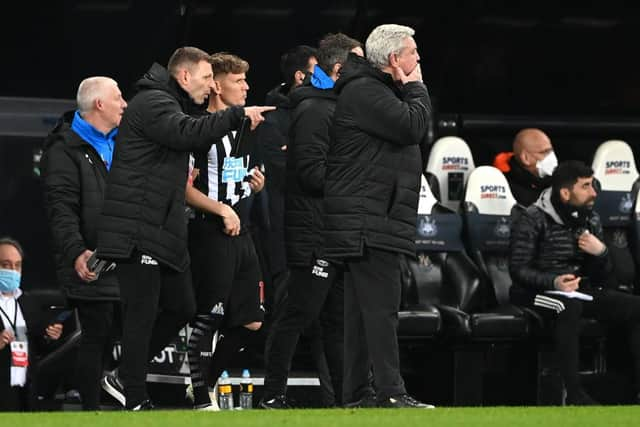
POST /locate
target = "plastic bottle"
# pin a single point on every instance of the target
(246, 390)
(225, 392)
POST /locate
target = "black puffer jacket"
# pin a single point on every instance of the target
(374, 163)
(74, 178)
(543, 247)
(144, 206)
(306, 168)
(525, 186)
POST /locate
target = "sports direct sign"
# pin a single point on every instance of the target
(455, 163)
(617, 167)
(493, 192)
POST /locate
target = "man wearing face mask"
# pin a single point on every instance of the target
(557, 245)
(15, 327)
(529, 168)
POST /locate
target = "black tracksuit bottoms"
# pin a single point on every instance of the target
(157, 302)
(372, 290)
(311, 290)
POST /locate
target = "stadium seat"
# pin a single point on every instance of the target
(449, 165)
(616, 179)
(442, 275)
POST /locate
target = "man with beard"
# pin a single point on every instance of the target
(557, 248)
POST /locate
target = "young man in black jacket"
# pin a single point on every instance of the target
(371, 190)
(313, 284)
(76, 159)
(143, 225)
(557, 248)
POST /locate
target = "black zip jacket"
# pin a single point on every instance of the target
(74, 178)
(144, 206)
(374, 163)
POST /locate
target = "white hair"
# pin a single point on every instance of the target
(91, 89)
(385, 40)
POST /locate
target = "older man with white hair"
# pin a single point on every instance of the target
(371, 199)
(77, 157)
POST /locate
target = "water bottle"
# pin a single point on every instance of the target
(225, 393)
(246, 390)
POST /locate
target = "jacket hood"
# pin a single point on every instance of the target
(59, 132)
(158, 78)
(544, 204)
(307, 91)
(356, 67)
(278, 96)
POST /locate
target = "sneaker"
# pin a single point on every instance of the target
(145, 405)
(207, 407)
(368, 400)
(112, 385)
(278, 402)
(580, 398)
(403, 401)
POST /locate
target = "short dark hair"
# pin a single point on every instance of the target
(567, 174)
(186, 56)
(296, 59)
(334, 49)
(6, 240)
(227, 63)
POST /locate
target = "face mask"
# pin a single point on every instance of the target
(547, 165)
(9, 280)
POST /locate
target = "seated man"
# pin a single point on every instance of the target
(15, 329)
(556, 245)
(529, 167)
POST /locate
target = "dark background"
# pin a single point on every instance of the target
(498, 57)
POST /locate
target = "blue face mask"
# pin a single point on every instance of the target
(9, 280)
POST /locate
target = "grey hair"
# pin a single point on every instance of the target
(91, 89)
(385, 40)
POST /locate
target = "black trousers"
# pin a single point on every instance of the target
(311, 291)
(157, 302)
(609, 307)
(371, 302)
(101, 326)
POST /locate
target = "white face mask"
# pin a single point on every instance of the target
(546, 166)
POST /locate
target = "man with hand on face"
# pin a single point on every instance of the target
(557, 248)
(143, 225)
(529, 167)
(226, 270)
(371, 190)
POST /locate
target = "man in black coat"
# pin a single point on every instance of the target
(143, 226)
(76, 158)
(557, 248)
(273, 138)
(313, 284)
(18, 323)
(371, 192)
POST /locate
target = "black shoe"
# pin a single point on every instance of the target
(112, 385)
(145, 405)
(278, 402)
(580, 398)
(367, 401)
(403, 401)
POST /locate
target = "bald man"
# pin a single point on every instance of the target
(530, 167)
(77, 157)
